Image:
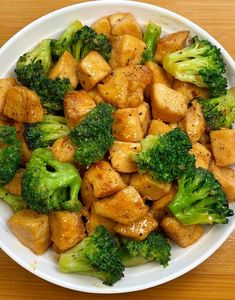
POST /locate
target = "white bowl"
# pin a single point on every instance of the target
(138, 278)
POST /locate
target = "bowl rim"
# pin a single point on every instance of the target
(228, 231)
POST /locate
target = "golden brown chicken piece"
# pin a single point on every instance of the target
(103, 26)
(14, 186)
(5, 84)
(202, 155)
(95, 220)
(63, 149)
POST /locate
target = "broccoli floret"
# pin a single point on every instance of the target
(151, 37)
(201, 64)
(220, 111)
(93, 136)
(10, 153)
(46, 132)
(48, 184)
(97, 255)
(154, 248)
(165, 157)
(34, 64)
(200, 199)
(86, 40)
(15, 202)
(64, 43)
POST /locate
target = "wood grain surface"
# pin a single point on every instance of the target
(215, 278)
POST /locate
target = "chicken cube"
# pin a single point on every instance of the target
(63, 149)
(67, 229)
(184, 236)
(5, 84)
(121, 156)
(25, 151)
(103, 26)
(105, 181)
(139, 229)
(94, 94)
(32, 229)
(159, 207)
(226, 177)
(124, 87)
(127, 126)
(158, 127)
(194, 122)
(92, 69)
(87, 192)
(222, 143)
(145, 116)
(167, 104)
(66, 67)
(149, 188)
(23, 105)
(202, 155)
(76, 105)
(124, 207)
(95, 220)
(125, 23)
(170, 43)
(14, 186)
(126, 50)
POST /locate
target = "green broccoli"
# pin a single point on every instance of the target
(93, 136)
(165, 157)
(48, 184)
(154, 248)
(15, 202)
(97, 255)
(34, 64)
(10, 153)
(200, 199)
(46, 132)
(64, 43)
(220, 111)
(151, 37)
(86, 40)
(201, 64)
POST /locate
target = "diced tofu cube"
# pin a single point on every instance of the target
(87, 192)
(14, 186)
(189, 90)
(194, 122)
(67, 229)
(95, 220)
(125, 23)
(158, 127)
(103, 26)
(5, 84)
(148, 187)
(121, 156)
(32, 229)
(222, 142)
(66, 67)
(126, 50)
(124, 87)
(170, 43)
(145, 116)
(159, 76)
(23, 105)
(167, 104)
(92, 69)
(226, 177)
(202, 155)
(184, 236)
(76, 105)
(124, 207)
(159, 207)
(139, 229)
(63, 149)
(25, 151)
(127, 126)
(104, 180)
(95, 95)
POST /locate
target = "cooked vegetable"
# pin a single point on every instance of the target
(10, 153)
(154, 248)
(200, 199)
(151, 37)
(15, 202)
(165, 157)
(201, 64)
(45, 133)
(97, 255)
(49, 185)
(93, 136)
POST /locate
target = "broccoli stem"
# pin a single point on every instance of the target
(151, 37)
(15, 202)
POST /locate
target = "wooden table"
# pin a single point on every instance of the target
(215, 278)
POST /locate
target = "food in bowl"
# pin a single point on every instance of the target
(135, 123)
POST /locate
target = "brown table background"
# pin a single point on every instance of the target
(213, 279)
